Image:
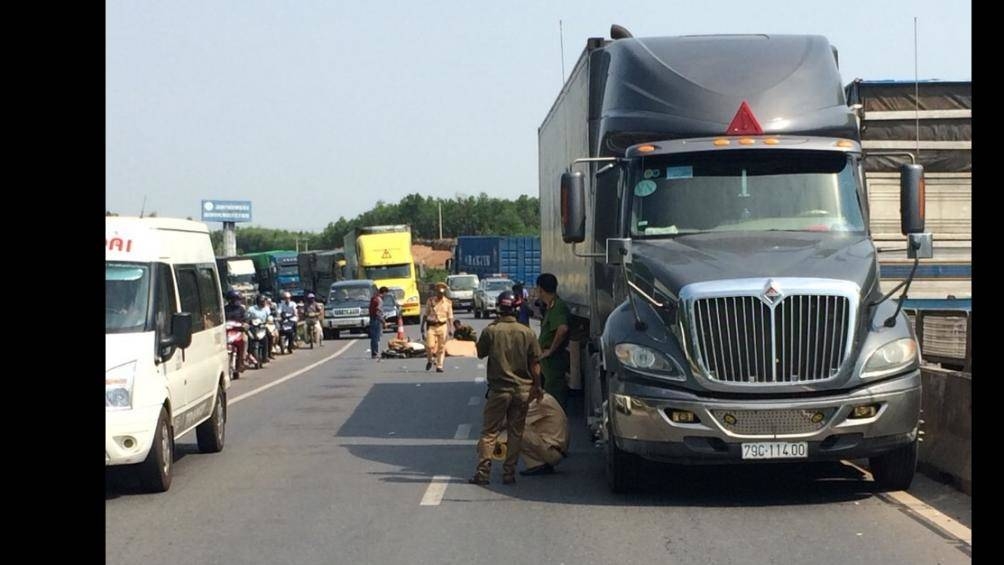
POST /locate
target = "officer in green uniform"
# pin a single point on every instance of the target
(513, 381)
(554, 361)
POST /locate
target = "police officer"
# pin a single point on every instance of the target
(513, 380)
(438, 325)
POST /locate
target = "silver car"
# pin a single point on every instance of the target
(487, 294)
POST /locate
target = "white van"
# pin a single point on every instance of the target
(166, 363)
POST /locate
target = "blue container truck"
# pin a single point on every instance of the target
(516, 257)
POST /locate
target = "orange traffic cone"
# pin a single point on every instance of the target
(400, 329)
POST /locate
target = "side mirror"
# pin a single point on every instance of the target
(911, 198)
(181, 329)
(573, 207)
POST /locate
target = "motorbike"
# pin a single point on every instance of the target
(312, 328)
(287, 333)
(258, 343)
(235, 339)
(274, 332)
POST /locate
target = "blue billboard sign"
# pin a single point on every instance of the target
(226, 210)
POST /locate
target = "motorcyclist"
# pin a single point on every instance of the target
(314, 312)
(235, 312)
(260, 311)
(288, 308)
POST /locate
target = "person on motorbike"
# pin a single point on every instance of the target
(314, 312)
(260, 311)
(288, 308)
(235, 312)
(273, 328)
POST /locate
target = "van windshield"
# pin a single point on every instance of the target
(127, 297)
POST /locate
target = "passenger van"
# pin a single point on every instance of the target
(166, 363)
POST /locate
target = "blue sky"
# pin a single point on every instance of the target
(314, 110)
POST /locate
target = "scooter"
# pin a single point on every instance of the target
(312, 328)
(258, 343)
(235, 341)
(287, 333)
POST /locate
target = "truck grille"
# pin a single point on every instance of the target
(746, 339)
(772, 422)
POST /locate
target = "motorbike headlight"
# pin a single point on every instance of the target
(118, 387)
(647, 360)
(892, 358)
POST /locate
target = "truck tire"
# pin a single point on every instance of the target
(155, 471)
(894, 470)
(477, 313)
(621, 466)
(336, 334)
(212, 433)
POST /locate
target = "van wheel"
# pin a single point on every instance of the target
(894, 470)
(621, 466)
(212, 433)
(155, 471)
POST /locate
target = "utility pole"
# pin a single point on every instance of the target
(440, 220)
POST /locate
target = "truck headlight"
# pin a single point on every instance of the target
(891, 358)
(647, 360)
(118, 387)
(412, 300)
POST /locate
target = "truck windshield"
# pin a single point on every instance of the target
(235, 280)
(382, 272)
(462, 283)
(738, 190)
(127, 297)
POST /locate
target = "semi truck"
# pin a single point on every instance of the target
(277, 272)
(382, 254)
(320, 269)
(704, 208)
(238, 273)
(934, 117)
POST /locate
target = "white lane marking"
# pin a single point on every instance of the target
(463, 431)
(435, 491)
(263, 388)
(923, 511)
(479, 379)
(474, 401)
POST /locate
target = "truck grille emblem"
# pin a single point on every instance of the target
(771, 293)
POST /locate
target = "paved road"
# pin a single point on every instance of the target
(333, 463)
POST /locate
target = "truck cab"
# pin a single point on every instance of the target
(461, 290)
(728, 289)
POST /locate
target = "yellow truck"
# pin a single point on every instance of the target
(383, 255)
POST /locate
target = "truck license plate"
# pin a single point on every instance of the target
(776, 450)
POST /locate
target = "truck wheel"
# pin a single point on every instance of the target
(621, 466)
(212, 433)
(155, 471)
(477, 313)
(336, 334)
(894, 470)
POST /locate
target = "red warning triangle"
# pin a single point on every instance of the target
(744, 123)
